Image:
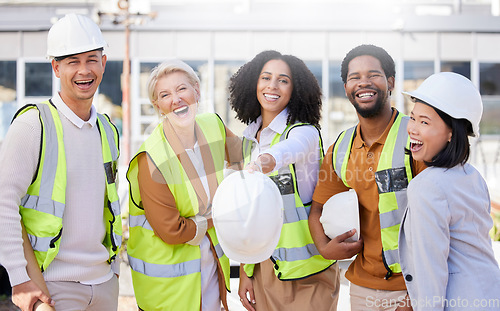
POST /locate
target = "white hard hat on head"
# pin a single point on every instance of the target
(454, 95)
(247, 211)
(74, 34)
(341, 214)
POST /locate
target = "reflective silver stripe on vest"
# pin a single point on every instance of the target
(40, 244)
(139, 221)
(398, 159)
(391, 256)
(110, 134)
(219, 251)
(45, 205)
(394, 217)
(342, 149)
(293, 214)
(115, 208)
(165, 271)
(297, 253)
(49, 169)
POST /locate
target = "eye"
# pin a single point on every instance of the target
(424, 122)
(412, 118)
(284, 81)
(265, 78)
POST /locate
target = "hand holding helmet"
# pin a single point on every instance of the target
(341, 214)
(248, 216)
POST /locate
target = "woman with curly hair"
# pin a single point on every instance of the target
(279, 99)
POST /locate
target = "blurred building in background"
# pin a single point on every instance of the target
(217, 36)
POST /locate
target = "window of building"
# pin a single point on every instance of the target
(110, 93)
(8, 104)
(415, 72)
(489, 87)
(489, 79)
(223, 71)
(462, 68)
(341, 114)
(38, 80)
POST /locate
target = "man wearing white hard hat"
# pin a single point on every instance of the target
(57, 175)
(369, 158)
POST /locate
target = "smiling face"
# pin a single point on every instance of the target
(367, 86)
(429, 134)
(274, 87)
(80, 76)
(176, 97)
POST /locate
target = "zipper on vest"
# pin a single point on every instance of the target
(52, 243)
(389, 271)
(111, 222)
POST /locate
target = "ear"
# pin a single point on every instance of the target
(390, 82)
(55, 67)
(104, 60)
(450, 135)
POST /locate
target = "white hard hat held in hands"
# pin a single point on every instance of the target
(247, 212)
(74, 34)
(454, 95)
(341, 214)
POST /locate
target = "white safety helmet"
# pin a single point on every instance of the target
(247, 212)
(341, 214)
(453, 94)
(74, 34)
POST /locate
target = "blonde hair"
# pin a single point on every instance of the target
(166, 68)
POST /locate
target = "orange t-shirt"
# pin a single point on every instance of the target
(368, 269)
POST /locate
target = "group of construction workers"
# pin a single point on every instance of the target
(422, 213)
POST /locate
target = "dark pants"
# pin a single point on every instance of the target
(5, 288)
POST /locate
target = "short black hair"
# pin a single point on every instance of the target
(305, 101)
(379, 53)
(59, 58)
(457, 151)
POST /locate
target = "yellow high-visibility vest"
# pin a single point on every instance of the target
(295, 256)
(166, 276)
(392, 177)
(42, 207)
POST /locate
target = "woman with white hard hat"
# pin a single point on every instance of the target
(279, 99)
(173, 250)
(445, 247)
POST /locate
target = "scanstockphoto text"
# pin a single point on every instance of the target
(435, 301)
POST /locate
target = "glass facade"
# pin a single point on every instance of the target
(489, 87)
(38, 80)
(8, 104)
(415, 72)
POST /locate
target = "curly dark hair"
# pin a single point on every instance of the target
(305, 101)
(368, 49)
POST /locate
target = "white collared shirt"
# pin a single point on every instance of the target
(300, 148)
(71, 116)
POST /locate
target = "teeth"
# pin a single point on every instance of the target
(83, 82)
(416, 142)
(364, 95)
(181, 110)
(271, 96)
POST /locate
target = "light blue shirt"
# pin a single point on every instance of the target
(444, 243)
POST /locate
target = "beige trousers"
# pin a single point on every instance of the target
(368, 299)
(319, 292)
(74, 296)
